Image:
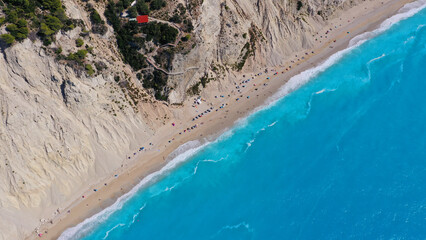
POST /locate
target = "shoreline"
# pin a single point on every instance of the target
(214, 124)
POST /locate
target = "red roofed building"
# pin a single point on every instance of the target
(142, 19)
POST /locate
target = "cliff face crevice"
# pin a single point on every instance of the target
(63, 129)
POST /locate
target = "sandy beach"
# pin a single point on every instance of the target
(207, 120)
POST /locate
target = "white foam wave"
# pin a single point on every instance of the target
(186, 150)
(112, 229)
(227, 133)
(178, 183)
(215, 161)
(272, 124)
(325, 90)
(249, 144)
(137, 214)
(168, 189)
(411, 38)
(264, 128)
(369, 65)
(377, 58)
(207, 160)
(261, 130)
(320, 91)
(242, 225)
(181, 154)
(195, 168)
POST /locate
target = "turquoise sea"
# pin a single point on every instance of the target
(341, 157)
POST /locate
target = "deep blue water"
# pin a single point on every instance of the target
(342, 157)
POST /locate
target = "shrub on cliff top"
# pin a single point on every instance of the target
(77, 56)
(19, 30)
(7, 38)
(54, 23)
(157, 4)
(2, 20)
(98, 25)
(95, 17)
(89, 69)
(46, 17)
(79, 42)
(142, 7)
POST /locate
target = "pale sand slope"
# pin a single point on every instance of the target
(362, 18)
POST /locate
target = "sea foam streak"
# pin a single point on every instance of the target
(294, 83)
(309, 104)
(242, 225)
(112, 229)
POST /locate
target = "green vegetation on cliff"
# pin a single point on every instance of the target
(131, 38)
(45, 17)
(159, 32)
